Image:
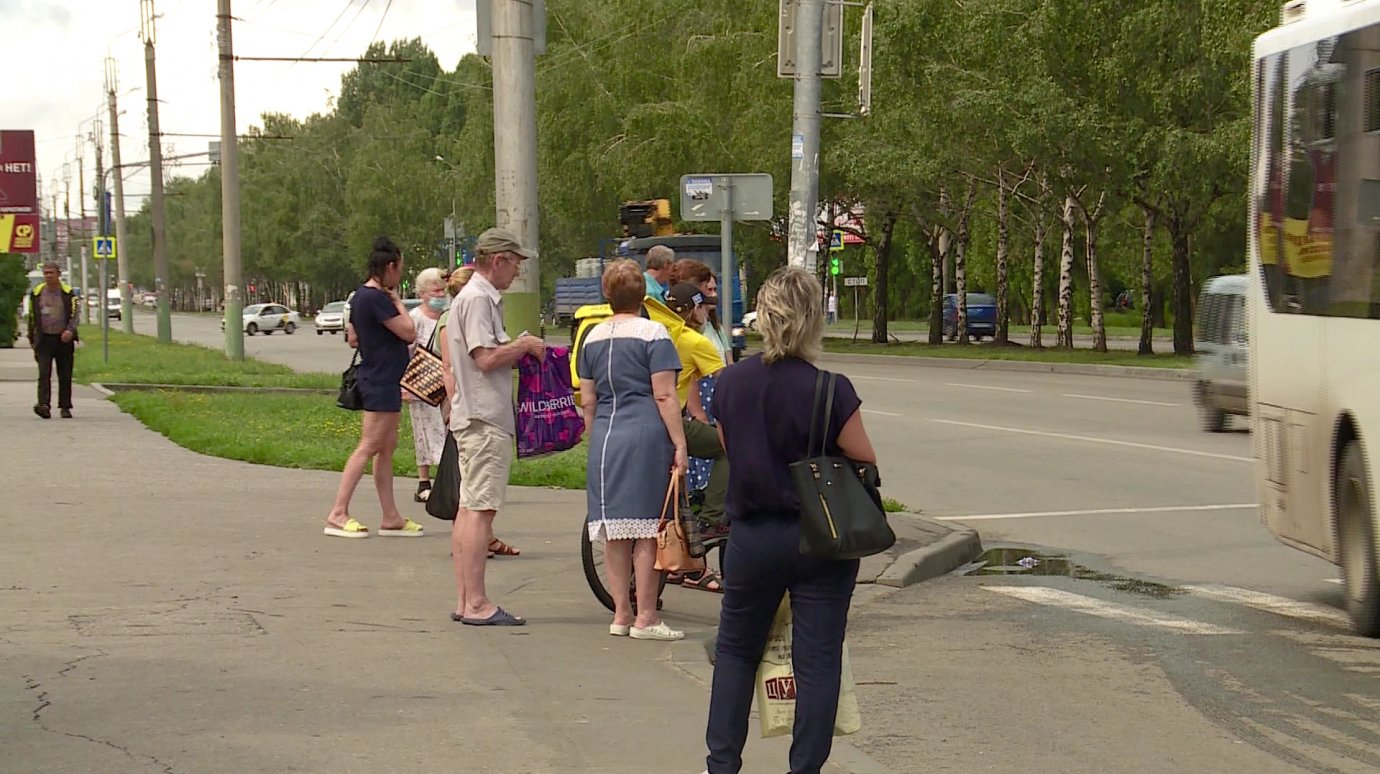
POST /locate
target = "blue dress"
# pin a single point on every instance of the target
(630, 453)
(382, 355)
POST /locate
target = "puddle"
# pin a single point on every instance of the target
(1023, 561)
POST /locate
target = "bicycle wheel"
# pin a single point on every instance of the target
(592, 557)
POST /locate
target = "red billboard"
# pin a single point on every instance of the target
(18, 192)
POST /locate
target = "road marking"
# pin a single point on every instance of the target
(1068, 437)
(1122, 400)
(1110, 610)
(983, 387)
(1337, 581)
(883, 379)
(1101, 512)
(881, 413)
(1270, 603)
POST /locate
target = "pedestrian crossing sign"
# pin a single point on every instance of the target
(836, 242)
(103, 247)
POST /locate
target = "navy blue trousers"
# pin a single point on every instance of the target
(761, 562)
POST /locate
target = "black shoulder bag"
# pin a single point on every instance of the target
(349, 397)
(841, 515)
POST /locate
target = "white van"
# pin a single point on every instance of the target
(112, 303)
(1222, 347)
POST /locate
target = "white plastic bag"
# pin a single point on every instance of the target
(776, 684)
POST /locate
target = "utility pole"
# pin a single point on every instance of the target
(85, 237)
(67, 215)
(103, 229)
(160, 229)
(121, 245)
(229, 190)
(803, 241)
(515, 151)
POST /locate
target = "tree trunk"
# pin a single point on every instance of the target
(1147, 277)
(961, 266)
(936, 333)
(1099, 323)
(1003, 246)
(1183, 280)
(879, 312)
(1037, 283)
(1065, 335)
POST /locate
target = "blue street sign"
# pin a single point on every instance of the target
(103, 247)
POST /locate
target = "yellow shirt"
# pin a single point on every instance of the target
(698, 358)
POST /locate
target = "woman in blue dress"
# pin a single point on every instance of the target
(627, 368)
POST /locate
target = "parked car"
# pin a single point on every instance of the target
(750, 320)
(268, 318)
(149, 300)
(982, 316)
(1223, 348)
(112, 304)
(331, 318)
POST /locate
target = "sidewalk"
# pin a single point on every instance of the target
(168, 611)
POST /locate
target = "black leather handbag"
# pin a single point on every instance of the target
(841, 515)
(349, 397)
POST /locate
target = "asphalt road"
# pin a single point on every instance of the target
(1192, 640)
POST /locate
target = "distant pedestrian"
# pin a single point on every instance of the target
(53, 313)
(627, 369)
(482, 356)
(832, 308)
(658, 273)
(383, 330)
(428, 429)
(765, 406)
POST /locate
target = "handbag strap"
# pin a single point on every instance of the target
(431, 342)
(672, 493)
(819, 421)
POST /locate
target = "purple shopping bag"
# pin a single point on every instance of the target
(547, 418)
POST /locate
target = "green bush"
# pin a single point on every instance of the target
(13, 283)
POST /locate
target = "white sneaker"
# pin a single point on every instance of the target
(658, 632)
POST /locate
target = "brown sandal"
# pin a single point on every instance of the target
(704, 580)
(499, 548)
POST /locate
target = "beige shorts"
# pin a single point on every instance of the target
(486, 458)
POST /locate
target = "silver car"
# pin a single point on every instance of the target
(331, 318)
(1222, 345)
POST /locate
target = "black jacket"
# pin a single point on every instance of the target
(70, 304)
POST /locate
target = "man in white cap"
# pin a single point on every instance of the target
(482, 357)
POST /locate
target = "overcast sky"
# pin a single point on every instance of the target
(53, 55)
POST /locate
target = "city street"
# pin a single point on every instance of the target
(1187, 640)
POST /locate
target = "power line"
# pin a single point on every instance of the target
(374, 37)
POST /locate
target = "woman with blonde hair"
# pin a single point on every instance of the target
(428, 428)
(627, 368)
(766, 407)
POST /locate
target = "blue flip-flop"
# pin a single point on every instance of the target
(500, 617)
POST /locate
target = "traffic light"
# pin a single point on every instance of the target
(835, 265)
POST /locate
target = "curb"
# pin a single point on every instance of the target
(950, 552)
(110, 388)
(1083, 369)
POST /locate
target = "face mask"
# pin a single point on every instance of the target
(439, 304)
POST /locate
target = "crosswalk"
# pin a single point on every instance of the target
(1141, 615)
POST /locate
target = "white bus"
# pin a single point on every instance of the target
(1314, 242)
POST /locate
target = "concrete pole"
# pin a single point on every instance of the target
(67, 218)
(121, 245)
(726, 275)
(809, 23)
(515, 152)
(85, 237)
(160, 229)
(229, 190)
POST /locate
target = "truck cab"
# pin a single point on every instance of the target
(706, 248)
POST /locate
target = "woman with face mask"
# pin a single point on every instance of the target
(428, 428)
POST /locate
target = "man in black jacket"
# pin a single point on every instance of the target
(53, 335)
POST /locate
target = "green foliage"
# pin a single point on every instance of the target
(1146, 103)
(13, 284)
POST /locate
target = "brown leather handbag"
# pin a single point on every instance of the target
(672, 547)
(425, 375)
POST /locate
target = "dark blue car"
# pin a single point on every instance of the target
(982, 316)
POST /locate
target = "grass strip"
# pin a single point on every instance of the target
(136, 359)
(1024, 354)
(301, 431)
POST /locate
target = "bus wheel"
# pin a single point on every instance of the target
(1356, 541)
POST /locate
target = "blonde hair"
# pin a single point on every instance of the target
(458, 279)
(623, 286)
(429, 278)
(789, 316)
